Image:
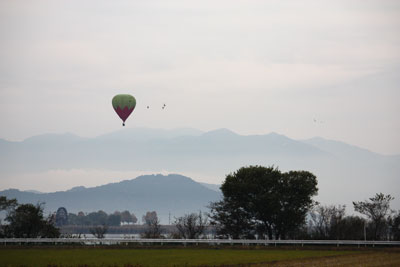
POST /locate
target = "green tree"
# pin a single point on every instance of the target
(72, 219)
(26, 221)
(128, 217)
(97, 218)
(231, 220)
(351, 228)
(114, 219)
(6, 204)
(264, 200)
(296, 189)
(395, 226)
(377, 209)
(149, 217)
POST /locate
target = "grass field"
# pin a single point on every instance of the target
(84, 257)
(369, 259)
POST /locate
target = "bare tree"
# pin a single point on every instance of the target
(152, 223)
(320, 219)
(191, 226)
(99, 231)
(149, 217)
(327, 220)
(377, 209)
(337, 214)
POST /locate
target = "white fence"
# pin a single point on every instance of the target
(125, 241)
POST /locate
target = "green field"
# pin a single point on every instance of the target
(52, 257)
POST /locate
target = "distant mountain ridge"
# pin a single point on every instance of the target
(345, 173)
(119, 150)
(215, 187)
(172, 195)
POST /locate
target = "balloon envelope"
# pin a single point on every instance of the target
(123, 105)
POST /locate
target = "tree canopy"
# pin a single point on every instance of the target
(152, 223)
(6, 204)
(377, 209)
(100, 218)
(27, 221)
(263, 201)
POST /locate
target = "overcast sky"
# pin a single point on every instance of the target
(299, 68)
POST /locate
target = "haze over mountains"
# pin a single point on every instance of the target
(345, 173)
(171, 196)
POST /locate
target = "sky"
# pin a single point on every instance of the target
(300, 68)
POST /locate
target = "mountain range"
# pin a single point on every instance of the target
(345, 173)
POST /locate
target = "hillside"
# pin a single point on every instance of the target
(175, 194)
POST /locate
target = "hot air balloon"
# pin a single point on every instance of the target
(123, 105)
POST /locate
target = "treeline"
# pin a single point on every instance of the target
(99, 218)
(258, 203)
(379, 221)
(62, 218)
(264, 203)
(26, 221)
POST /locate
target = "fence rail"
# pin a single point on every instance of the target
(116, 241)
